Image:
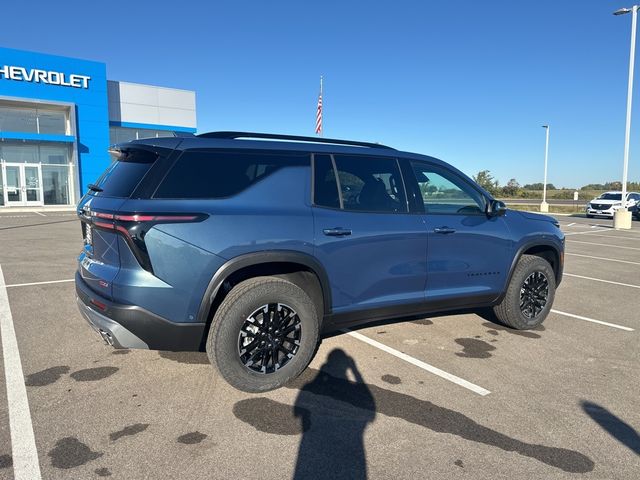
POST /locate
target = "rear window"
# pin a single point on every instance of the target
(123, 176)
(209, 174)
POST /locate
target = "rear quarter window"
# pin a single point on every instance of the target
(123, 176)
(215, 174)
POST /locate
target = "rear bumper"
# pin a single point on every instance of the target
(111, 332)
(130, 326)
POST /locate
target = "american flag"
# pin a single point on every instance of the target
(319, 112)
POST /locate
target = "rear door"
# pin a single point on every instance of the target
(373, 249)
(469, 253)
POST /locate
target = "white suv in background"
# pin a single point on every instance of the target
(607, 203)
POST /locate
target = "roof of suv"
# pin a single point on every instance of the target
(267, 141)
(292, 143)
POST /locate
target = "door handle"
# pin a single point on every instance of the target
(337, 232)
(444, 230)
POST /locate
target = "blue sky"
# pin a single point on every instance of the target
(467, 81)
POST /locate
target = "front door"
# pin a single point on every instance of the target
(469, 252)
(22, 184)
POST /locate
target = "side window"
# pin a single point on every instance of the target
(370, 184)
(445, 193)
(210, 174)
(325, 188)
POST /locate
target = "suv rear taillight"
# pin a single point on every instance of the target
(134, 226)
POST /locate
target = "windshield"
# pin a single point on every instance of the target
(610, 196)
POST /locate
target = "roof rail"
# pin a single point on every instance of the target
(296, 138)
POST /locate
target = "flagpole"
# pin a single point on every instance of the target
(321, 129)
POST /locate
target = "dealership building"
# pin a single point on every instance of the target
(58, 116)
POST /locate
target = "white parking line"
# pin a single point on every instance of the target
(413, 361)
(631, 239)
(589, 232)
(39, 283)
(603, 258)
(41, 214)
(601, 280)
(587, 319)
(571, 224)
(604, 244)
(23, 445)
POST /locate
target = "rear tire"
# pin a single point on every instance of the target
(530, 294)
(242, 321)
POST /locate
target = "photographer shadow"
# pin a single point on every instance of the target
(333, 448)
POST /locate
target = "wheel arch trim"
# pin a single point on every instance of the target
(236, 264)
(553, 245)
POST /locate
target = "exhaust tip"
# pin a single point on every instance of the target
(106, 336)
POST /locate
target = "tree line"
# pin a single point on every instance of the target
(514, 189)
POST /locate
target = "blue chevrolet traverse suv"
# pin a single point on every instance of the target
(250, 246)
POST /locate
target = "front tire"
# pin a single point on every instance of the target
(530, 294)
(263, 335)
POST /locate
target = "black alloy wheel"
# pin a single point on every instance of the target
(534, 294)
(269, 338)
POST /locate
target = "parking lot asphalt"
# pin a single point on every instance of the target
(392, 400)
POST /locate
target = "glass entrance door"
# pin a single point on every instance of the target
(32, 184)
(13, 184)
(22, 184)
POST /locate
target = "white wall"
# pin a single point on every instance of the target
(137, 103)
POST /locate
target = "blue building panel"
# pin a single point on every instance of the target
(83, 83)
(35, 89)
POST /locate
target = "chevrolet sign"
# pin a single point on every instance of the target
(21, 74)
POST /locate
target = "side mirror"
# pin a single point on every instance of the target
(496, 208)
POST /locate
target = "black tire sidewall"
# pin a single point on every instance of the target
(531, 265)
(222, 343)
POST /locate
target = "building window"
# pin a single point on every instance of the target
(55, 184)
(52, 121)
(18, 117)
(19, 153)
(123, 134)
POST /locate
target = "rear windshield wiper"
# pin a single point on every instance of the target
(95, 188)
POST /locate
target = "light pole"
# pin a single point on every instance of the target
(544, 206)
(622, 216)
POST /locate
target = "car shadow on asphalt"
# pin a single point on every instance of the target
(485, 313)
(613, 425)
(332, 412)
(421, 319)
